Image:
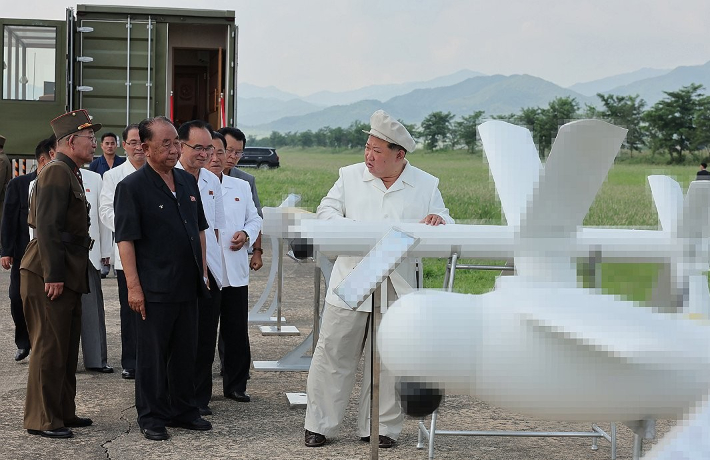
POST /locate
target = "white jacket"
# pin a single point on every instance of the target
(360, 196)
(211, 195)
(240, 214)
(100, 233)
(111, 179)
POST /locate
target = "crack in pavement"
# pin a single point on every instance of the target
(105, 445)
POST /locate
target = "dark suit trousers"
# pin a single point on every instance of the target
(54, 329)
(208, 319)
(129, 320)
(165, 364)
(22, 338)
(234, 331)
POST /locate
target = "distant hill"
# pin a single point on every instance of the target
(496, 94)
(651, 89)
(247, 90)
(385, 92)
(259, 110)
(591, 88)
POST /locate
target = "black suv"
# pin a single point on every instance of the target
(259, 157)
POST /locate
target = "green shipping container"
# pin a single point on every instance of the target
(122, 64)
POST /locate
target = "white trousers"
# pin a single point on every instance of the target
(332, 376)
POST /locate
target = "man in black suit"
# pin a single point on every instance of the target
(14, 237)
(160, 232)
(703, 174)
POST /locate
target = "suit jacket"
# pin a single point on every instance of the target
(241, 214)
(60, 250)
(360, 196)
(5, 176)
(14, 231)
(106, 212)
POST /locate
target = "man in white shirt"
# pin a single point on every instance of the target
(386, 187)
(196, 139)
(243, 225)
(93, 322)
(136, 160)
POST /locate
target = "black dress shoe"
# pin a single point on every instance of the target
(205, 411)
(128, 374)
(106, 369)
(385, 441)
(21, 354)
(57, 433)
(238, 396)
(155, 434)
(199, 424)
(79, 422)
(314, 439)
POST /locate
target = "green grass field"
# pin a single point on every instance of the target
(469, 193)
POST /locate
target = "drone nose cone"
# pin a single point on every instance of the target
(419, 399)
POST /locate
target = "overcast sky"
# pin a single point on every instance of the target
(305, 46)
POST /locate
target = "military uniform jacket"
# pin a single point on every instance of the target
(165, 230)
(59, 252)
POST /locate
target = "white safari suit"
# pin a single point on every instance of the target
(360, 196)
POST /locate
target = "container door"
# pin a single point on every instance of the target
(116, 71)
(33, 81)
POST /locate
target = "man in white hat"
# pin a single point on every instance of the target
(386, 187)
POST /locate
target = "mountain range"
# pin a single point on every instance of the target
(262, 110)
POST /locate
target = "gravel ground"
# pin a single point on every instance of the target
(266, 428)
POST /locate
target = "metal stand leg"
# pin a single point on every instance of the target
(638, 447)
(279, 329)
(374, 384)
(265, 317)
(432, 433)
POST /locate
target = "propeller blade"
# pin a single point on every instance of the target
(514, 164)
(578, 164)
(668, 198)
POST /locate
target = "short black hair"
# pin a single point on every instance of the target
(704, 165)
(145, 127)
(236, 133)
(125, 132)
(185, 128)
(218, 135)
(393, 146)
(44, 146)
(105, 135)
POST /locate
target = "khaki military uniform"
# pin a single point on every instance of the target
(58, 253)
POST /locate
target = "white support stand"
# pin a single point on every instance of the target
(256, 316)
(279, 329)
(299, 359)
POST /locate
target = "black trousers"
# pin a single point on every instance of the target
(129, 319)
(234, 332)
(165, 364)
(208, 319)
(22, 337)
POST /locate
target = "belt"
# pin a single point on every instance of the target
(83, 241)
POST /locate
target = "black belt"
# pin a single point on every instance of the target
(83, 241)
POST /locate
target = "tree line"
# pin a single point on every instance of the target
(676, 125)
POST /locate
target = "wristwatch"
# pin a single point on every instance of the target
(247, 235)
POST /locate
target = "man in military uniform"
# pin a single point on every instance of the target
(53, 276)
